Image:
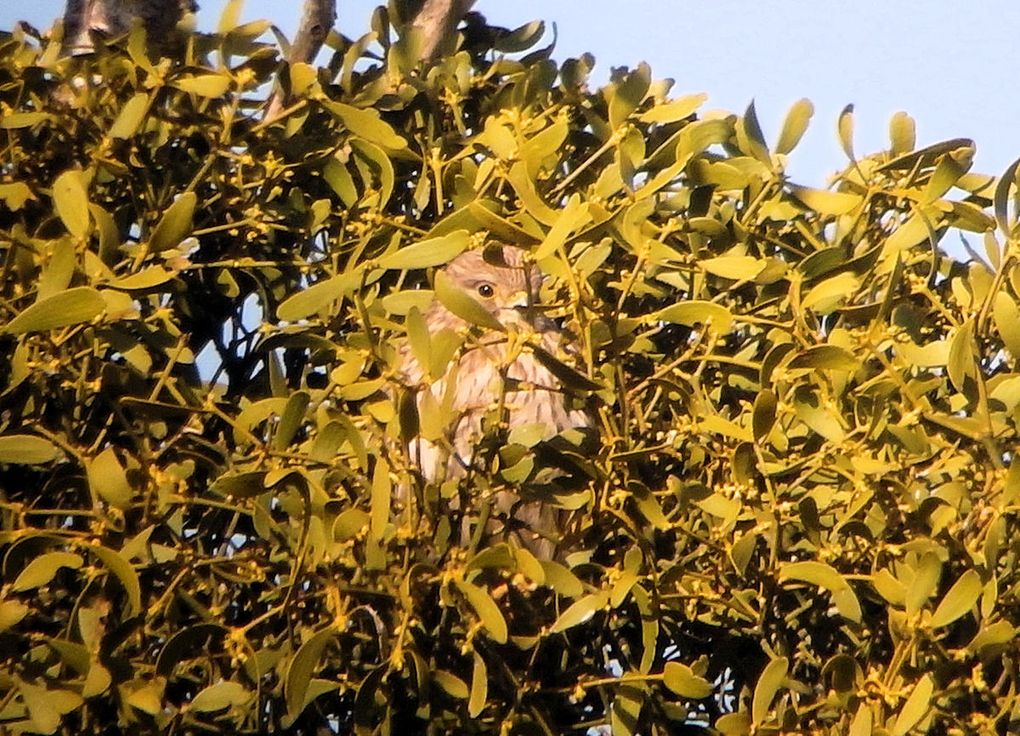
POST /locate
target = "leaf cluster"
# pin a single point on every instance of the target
(800, 511)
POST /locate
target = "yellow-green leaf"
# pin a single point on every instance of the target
(824, 576)
(479, 687)
(427, 253)
(826, 203)
(958, 600)
(366, 123)
(27, 449)
(70, 307)
(768, 685)
(902, 133)
(796, 123)
(41, 570)
(580, 611)
(463, 305)
(204, 85)
(71, 199)
(302, 667)
(453, 685)
(915, 707)
(681, 679)
(674, 110)
(738, 268)
(11, 612)
(697, 312)
(572, 217)
(108, 480)
(175, 224)
(220, 696)
(130, 116)
(487, 610)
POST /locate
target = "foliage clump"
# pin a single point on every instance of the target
(802, 512)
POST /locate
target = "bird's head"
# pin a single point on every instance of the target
(500, 279)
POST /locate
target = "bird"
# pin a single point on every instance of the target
(494, 371)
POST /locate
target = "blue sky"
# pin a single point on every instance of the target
(950, 65)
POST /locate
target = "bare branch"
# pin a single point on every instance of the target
(437, 21)
(107, 18)
(317, 19)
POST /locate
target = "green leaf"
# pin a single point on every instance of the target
(366, 123)
(915, 707)
(108, 480)
(116, 563)
(768, 685)
(825, 357)
(829, 294)
(738, 268)
(580, 611)
(301, 668)
(961, 363)
(464, 305)
(41, 570)
(763, 416)
(230, 16)
(307, 302)
(1006, 315)
(861, 725)
(795, 125)
(27, 449)
(750, 139)
(382, 493)
(561, 580)
(220, 696)
(958, 600)
(428, 253)
(148, 698)
(697, 312)
(927, 574)
(824, 576)
(13, 121)
(211, 86)
(629, 94)
(11, 612)
(486, 609)
(846, 131)
(674, 110)
(479, 687)
(453, 685)
(147, 278)
(1001, 198)
(71, 199)
(824, 202)
(734, 724)
(902, 135)
(70, 307)
(46, 706)
(572, 217)
(130, 116)
(175, 224)
(681, 679)
(15, 194)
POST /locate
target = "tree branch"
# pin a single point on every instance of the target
(437, 21)
(317, 18)
(108, 18)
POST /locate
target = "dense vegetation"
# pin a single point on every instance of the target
(801, 512)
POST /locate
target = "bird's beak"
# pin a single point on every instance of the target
(518, 300)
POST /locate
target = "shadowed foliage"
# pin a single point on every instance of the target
(798, 511)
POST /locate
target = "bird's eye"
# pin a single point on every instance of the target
(486, 290)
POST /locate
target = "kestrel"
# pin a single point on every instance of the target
(492, 372)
